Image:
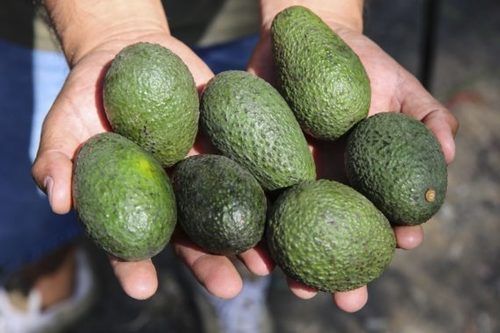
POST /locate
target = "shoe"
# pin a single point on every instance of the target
(246, 313)
(56, 318)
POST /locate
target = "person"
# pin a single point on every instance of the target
(91, 32)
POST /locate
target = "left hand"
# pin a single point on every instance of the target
(393, 89)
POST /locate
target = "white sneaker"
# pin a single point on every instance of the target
(247, 312)
(57, 317)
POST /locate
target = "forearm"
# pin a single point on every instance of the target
(345, 12)
(82, 25)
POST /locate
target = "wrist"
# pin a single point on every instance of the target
(83, 26)
(340, 12)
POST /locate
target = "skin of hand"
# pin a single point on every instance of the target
(393, 89)
(77, 114)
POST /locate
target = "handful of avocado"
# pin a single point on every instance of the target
(322, 233)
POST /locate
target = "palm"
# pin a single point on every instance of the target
(382, 70)
(78, 112)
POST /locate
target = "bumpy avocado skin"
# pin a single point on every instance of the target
(320, 76)
(123, 197)
(248, 121)
(221, 206)
(328, 236)
(150, 97)
(397, 163)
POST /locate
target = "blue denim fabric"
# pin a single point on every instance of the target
(227, 56)
(29, 83)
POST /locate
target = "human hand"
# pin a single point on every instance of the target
(393, 89)
(78, 114)
(91, 33)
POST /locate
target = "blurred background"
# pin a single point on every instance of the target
(449, 284)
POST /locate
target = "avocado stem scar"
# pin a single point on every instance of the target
(430, 195)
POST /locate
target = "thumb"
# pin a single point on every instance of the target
(52, 172)
(53, 166)
(419, 103)
(444, 126)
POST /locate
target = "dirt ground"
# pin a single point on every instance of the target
(449, 284)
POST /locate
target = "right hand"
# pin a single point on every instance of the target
(393, 89)
(76, 115)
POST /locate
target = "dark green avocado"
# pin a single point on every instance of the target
(328, 236)
(320, 76)
(221, 206)
(150, 97)
(248, 121)
(123, 197)
(397, 163)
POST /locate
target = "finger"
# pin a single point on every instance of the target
(420, 104)
(202, 145)
(52, 173)
(257, 260)
(444, 126)
(409, 237)
(261, 62)
(351, 301)
(301, 290)
(53, 167)
(216, 273)
(138, 279)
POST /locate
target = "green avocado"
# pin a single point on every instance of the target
(320, 76)
(150, 97)
(221, 206)
(397, 163)
(248, 121)
(329, 237)
(123, 197)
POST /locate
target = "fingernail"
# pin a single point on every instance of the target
(49, 184)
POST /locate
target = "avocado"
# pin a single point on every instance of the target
(221, 206)
(397, 163)
(320, 76)
(248, 121)
(150, 97)
(328, 236)
(123, 197)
